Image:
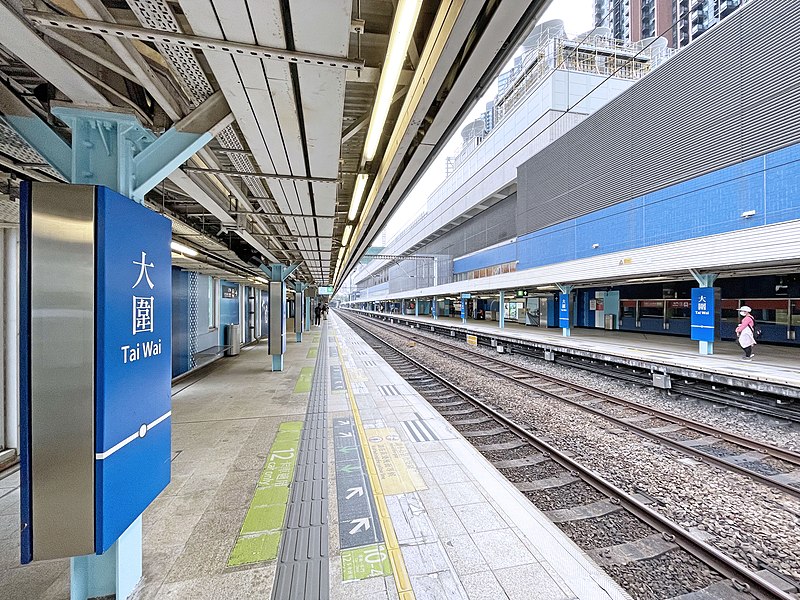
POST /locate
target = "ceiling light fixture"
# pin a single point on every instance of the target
(348, 229)
(176, 247)
(405, 18)
(358, 193)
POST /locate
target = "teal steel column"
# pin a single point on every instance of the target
(502, 309)
(464, 297)
(416, 307)
(435, 309)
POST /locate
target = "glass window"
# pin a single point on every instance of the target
(629, 309)
(679, 309)
(770, 311)
(651, 308)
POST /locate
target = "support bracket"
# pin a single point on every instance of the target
(278, 272)
(704, 279)
(114, 149)
(565, 288)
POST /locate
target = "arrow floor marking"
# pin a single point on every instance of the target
(354, 491)
(362, 523)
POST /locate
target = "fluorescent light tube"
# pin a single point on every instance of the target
(183, 249)
(358, 193)
(405, 18)
(348, 229)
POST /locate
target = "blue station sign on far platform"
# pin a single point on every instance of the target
(703, 328)
(563, 311)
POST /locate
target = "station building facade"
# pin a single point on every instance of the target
(625, 207)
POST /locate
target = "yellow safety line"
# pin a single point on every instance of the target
(401, 579)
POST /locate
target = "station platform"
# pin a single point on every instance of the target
(331, 479)
(773, 370)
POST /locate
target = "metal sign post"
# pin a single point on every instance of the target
(277, 274)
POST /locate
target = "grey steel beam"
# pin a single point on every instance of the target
(274, 214)
(195, 42)
(21, 39)
(134, 60)
(364, 119)
(232, 173)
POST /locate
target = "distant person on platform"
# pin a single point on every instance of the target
(317, 313)
(746, 332)
(325, 311)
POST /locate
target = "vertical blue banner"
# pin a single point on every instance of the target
(703, 328)
(563, 311)
(133, 370)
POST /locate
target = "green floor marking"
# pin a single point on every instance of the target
(261, 531)
(312, 352)
(367, 561)
(304, 381)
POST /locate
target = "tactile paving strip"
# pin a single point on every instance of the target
(302, 571)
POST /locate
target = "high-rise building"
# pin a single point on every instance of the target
(679, 21)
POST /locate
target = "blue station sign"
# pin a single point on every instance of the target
(563, 311)
(134, 364)
(703, 328)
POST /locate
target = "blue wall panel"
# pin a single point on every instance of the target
(782, 187)
(180, 322)
(486, 258)
(707, 205)
(613, 228)
(228, 308)
(550, 245)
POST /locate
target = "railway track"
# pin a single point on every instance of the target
(649, 555)
(765, 404)
(771, 465)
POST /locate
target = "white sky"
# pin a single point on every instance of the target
(578, 17)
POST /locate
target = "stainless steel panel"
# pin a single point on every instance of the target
(298, 312)
(277, 323)
(62, 370)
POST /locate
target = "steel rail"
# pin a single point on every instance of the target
(735, 571)
(774, 451)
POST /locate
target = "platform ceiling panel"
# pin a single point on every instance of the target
(293, 117)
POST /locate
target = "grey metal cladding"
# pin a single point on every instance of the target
(724, 99)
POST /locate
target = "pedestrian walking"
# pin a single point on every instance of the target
(746, 332)
(317, 313)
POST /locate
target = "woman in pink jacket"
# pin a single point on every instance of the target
(745, 332)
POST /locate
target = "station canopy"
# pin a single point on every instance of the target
(323, 113)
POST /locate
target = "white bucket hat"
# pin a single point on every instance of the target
(745, 309)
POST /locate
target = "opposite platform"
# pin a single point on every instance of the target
(774, 370)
